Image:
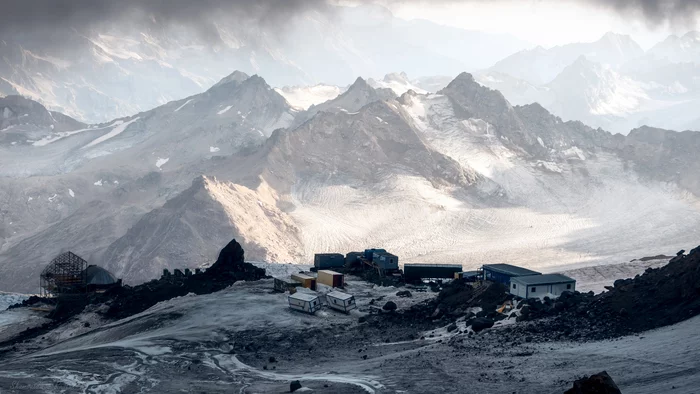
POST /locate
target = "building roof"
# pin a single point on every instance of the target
(548, 279)
(329, 272)
(459, 266)
(511, 270)
(302, 276)
(470, 273)
(339, 295)
(303, 296)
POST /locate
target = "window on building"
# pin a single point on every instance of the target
(568, 287)
(534, 290)
(514, 285)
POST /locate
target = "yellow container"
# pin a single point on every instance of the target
(306, 281)
(330, 278)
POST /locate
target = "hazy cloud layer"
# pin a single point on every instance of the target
(27, 15)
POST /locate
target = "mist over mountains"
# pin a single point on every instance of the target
(98, 73)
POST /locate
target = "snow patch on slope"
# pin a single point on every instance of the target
(161, 162)
(120, 128)
(223, 111)
(183, 105)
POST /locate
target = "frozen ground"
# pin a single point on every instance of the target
(222, 343)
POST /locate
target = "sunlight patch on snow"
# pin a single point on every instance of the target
(71, 192)
(574, 151)
(214, 149)
(282, 122)
(304, 97)
(549, 166)
(98, 183)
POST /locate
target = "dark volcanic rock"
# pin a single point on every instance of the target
(390, 306)
(294, 386)
(600, 383)
(228, 269)
(404, 293)
(657, 298)
(481, 323)
(230, 258)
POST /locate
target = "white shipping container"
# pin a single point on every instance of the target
(343, 302)
(304, 302)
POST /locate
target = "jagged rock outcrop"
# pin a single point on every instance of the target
(600, 383)
(229, 268)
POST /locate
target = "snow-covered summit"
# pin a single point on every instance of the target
(399, 83)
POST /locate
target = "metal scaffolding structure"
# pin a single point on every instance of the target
(66, 274)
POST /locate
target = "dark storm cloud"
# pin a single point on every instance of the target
(656, 11)
(23, 15)
(19, 15)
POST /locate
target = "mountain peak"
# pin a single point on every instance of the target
(400, 77)
(235, 77)
(624, 42)
(463, 78)
(359, 83)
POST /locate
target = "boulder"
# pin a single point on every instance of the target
(294, 386)
(481, 323)
(405, 294)
(600, 383)
(390, 306)
(451, 327)
(230, 259)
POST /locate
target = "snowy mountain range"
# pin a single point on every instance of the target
(459, 175)
(96, 74)
(610, 83)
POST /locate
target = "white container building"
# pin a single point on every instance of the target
(304, 302)
(343, 302)
(534, 286)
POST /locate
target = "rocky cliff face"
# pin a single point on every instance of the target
(189, 226)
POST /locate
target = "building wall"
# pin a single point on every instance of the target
(386, 261)
(496, 276)
(524, 291)
(560, 288)
(520, 289)
(418, 272)
(329, 260)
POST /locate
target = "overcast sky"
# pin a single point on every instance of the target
(544, 22)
